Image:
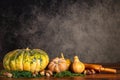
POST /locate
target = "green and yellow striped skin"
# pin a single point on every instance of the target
(33, 60)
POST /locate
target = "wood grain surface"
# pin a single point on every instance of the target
(98, 76)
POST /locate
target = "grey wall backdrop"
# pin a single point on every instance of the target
(89, 29)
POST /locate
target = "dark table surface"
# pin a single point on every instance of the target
(97, 76)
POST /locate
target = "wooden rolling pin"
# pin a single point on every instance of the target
(108, 70)
(99, 68)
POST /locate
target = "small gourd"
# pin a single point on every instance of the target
(77, 66)
(58, 65)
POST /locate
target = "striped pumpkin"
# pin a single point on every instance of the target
(33, 60)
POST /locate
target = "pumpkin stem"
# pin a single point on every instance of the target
(76, 59)
(62, 55)
(27, 49)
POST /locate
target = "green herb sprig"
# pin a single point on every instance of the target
(20, 74)
(28, 74)
(67, 74)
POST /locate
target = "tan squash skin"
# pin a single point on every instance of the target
(77, 66)
(58, 65)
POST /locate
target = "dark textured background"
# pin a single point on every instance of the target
(87, 28)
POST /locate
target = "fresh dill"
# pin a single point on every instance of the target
(28, 74)
(67, 74)
(20, 74)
